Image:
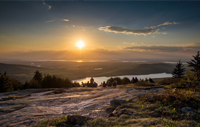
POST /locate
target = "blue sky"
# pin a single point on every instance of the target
(170, 28)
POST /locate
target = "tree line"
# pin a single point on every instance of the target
(8, 84)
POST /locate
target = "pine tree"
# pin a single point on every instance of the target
(179, 70)
(195, 64)
(38, 76)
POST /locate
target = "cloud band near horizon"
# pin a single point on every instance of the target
(185, 48)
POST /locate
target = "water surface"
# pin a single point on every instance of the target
(99, 80)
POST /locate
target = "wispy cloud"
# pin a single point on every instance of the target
(66, 20)
(49, 7)
(168, 23)
(115, 29)
(49, 21)
(145, 31)
(164, 24)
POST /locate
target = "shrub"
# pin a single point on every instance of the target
(52, 122)
(177, 99)
(76, 84)
(110, 80)
(169, 81)
(125, 80)
(119, 80)
(190, 81)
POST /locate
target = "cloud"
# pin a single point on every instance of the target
(193, 44)
(66, 20)
(49, 7)
(132, 43)
(155, 48)
(168, 23)
(145, 31)
(115, 29)
(49, 21)
(191, 47)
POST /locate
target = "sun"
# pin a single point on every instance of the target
(80, 44)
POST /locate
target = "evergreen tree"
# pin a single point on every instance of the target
(125, 80)
(179, 70)
(38, 76)
(195, 64)
(8, 84)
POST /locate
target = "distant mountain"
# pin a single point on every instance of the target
(19, 72)
(76, 70)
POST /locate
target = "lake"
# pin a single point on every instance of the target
(99, 80)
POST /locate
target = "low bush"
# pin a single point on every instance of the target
(52, 122)
(190, 82)
(75, 84)
(125, 80)
(169, 81)
(176, 98)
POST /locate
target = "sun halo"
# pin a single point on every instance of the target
(80, 44)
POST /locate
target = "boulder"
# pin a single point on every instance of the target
(118, 113)
(124, 111)
(117, 102)
(187, 109)
(77, 119)
(110, 109)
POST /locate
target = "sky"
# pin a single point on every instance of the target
(36, 30)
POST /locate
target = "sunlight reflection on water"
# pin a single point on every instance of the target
(99, 80)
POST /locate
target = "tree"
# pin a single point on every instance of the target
(125, 80)
(195, 65)
(8, 84)
(38, 77)
(179, 70)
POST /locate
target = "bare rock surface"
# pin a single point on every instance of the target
(88, 102)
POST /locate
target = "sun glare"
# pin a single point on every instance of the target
(80, 44)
